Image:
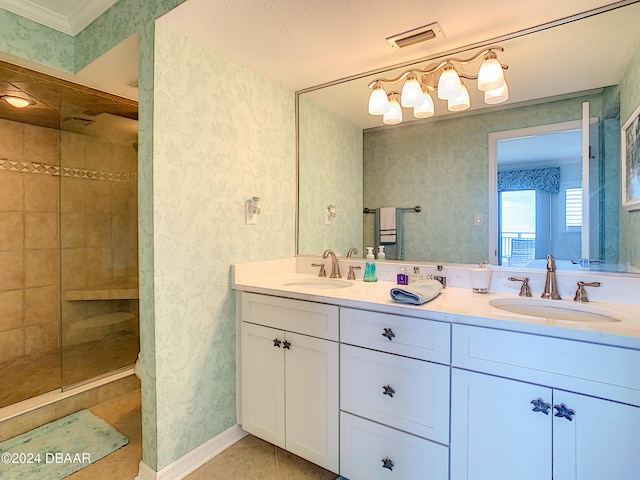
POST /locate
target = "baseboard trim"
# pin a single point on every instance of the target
(195, 458)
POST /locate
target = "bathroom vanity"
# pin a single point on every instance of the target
(456, 388)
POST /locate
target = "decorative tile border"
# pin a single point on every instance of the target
(43, 169)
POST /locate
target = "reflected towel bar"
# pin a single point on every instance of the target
(417, 209)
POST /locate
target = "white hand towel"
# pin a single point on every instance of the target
(388, 218)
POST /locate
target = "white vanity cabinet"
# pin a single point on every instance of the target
(534, 407)
(394, 396)
(289, 375)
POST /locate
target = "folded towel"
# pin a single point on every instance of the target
(387, 237)
(417, 293)
(387, 218)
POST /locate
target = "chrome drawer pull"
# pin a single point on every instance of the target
(387, 390)
(387, 463)
(564, 412)
(276, 342)
(388, 333)
(540, 406)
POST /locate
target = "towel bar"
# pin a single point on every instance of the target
(417, 209)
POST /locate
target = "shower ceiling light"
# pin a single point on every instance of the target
(446, 80)
(17, 102)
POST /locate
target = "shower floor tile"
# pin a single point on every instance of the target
(33, 375)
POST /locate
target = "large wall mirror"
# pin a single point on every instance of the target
(572, 84)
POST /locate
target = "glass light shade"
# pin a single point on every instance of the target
(499, 95)
(461, 102)
(16, 102)
(490, 75)
(411, 92)
(394, 115)
(378, 101)
(426, 108)
(449, 85)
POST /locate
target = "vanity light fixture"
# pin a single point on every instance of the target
(17, 102)
(251, 210)
(445, 78)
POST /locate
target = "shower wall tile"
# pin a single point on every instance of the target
(99, 201)
(41, 145)
(98, 267)
(11, 231)
(12, 271)
(41, 338)
(72, 230)
(11, 344)
(41, 231)
(42, 305)
(99, 230)
(73, 195)
(12, 188)
(41, 268)
(12, 145)
(41, 193)
(73, 262)
(11, 310)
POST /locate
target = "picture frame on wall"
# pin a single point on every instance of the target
(630, 153)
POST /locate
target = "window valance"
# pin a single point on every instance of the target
(543, 179)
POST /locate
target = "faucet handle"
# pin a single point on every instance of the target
(581, 293)
(322, 272)
(525, 291)
(352, 274)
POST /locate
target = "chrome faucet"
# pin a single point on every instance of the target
(335, 266)
(550, 284)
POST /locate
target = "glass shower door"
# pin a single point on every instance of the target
(98, 210)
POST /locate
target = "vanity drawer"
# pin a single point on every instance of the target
(598, 370)
(407, 394)
(408, 336)
(366, 447)
(307, 318)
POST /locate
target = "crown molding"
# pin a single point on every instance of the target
(85, 13)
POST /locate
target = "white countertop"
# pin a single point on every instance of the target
(455, 305)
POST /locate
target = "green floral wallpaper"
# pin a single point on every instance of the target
(330, 172)
(26, 39)
(222, 134)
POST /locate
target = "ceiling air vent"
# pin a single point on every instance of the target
(417, 35)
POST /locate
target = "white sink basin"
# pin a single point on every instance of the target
(319, 283)
(557, 309)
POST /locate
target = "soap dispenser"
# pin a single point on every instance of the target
(370, 274)
(381, 254)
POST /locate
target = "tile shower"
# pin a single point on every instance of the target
(68, 252)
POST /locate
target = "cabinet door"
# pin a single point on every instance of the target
(263, 383)
(312, 410)
(495, 432)
(601, 440)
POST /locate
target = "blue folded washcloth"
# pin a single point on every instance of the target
(417, 293)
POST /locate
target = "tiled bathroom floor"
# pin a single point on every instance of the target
(249, 459)
(255, 459)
